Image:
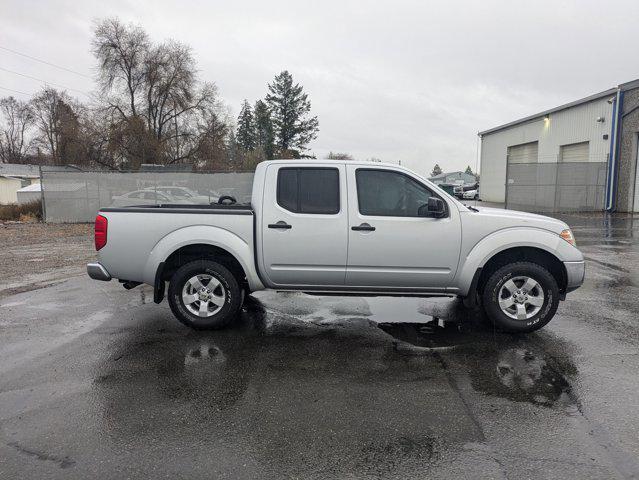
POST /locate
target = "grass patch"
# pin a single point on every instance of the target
(26, 212)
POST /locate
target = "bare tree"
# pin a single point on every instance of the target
(18, 119)
(56, 117)
(45, 109)
(339, 156)
(155, 92)
(121, 51)
(211, 146)
(96, 126)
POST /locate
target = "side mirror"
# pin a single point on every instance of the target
(434, 208)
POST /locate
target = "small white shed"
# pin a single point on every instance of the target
(30, 193)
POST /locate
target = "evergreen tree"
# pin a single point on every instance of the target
(233, 153)
(469, 171)
(290, 107)
(436, 170)
(264, 137)
(246, 128)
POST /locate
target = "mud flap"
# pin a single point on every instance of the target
(471, 300)
(158, 286)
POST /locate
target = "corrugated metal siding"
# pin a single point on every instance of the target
(574, 125)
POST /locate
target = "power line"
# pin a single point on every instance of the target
(15, 91)
(45, 62)
(44, 81)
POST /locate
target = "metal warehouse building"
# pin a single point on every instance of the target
(581, 156)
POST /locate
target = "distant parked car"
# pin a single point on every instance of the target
(461, 189)
(143, 197)
(470, 194)
(186, 194)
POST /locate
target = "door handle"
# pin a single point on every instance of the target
(281, 224)
(364, 227)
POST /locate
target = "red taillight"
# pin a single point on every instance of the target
(101, 225)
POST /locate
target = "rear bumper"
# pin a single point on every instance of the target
(97, 272)
(575, 273)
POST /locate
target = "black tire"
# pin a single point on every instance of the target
(232, 301)
(492, 289)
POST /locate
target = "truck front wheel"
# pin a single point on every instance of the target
(204, 295)
(520, 297)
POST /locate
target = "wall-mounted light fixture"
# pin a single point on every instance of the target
(601, 119)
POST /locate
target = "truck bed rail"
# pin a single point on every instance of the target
(184, 208)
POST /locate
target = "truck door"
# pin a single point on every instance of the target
(390, 245)
(304, 224)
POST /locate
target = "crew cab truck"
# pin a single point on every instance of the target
(335, 228)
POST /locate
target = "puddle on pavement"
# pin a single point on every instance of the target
(369, 341)
(524, 374)
(434, 334)
(506, 366)
(396, 310)
(275, 377)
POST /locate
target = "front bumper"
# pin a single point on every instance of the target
(97, 272)
(575, 273)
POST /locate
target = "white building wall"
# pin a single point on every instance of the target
(9, 188)
(573, 125)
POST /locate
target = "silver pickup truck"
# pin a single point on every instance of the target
(335, 228)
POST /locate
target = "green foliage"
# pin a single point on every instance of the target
(469, 171)
(246, 128)
(436, 170)
(264, 135)
(290, 109)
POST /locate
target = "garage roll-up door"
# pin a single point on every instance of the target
(524, 153)
(576, 152)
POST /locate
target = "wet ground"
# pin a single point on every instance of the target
(99, 382)
(40, 254)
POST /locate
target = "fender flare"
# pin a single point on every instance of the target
(506, 239)
(202, 234)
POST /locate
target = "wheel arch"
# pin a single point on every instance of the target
(202, 242)
(203, 251)
(524, 254)
(516, 244)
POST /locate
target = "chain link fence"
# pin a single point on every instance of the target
(75, 197)
(556, 187)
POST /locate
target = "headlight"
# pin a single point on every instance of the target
(568, 236)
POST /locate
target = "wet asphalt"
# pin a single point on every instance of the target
(99, 382)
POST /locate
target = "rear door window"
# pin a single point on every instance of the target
(308, 190)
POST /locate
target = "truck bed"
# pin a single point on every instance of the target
(138, 239)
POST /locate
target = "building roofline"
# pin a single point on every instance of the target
(590, 98)
(629, 85)
(18, 175)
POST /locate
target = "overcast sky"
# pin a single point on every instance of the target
(404, 80)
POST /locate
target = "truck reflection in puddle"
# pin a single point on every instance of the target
(289, 385)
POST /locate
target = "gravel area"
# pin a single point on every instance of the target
(33, 255)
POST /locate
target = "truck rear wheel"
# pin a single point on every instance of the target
(520, 297)
(204, 295)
